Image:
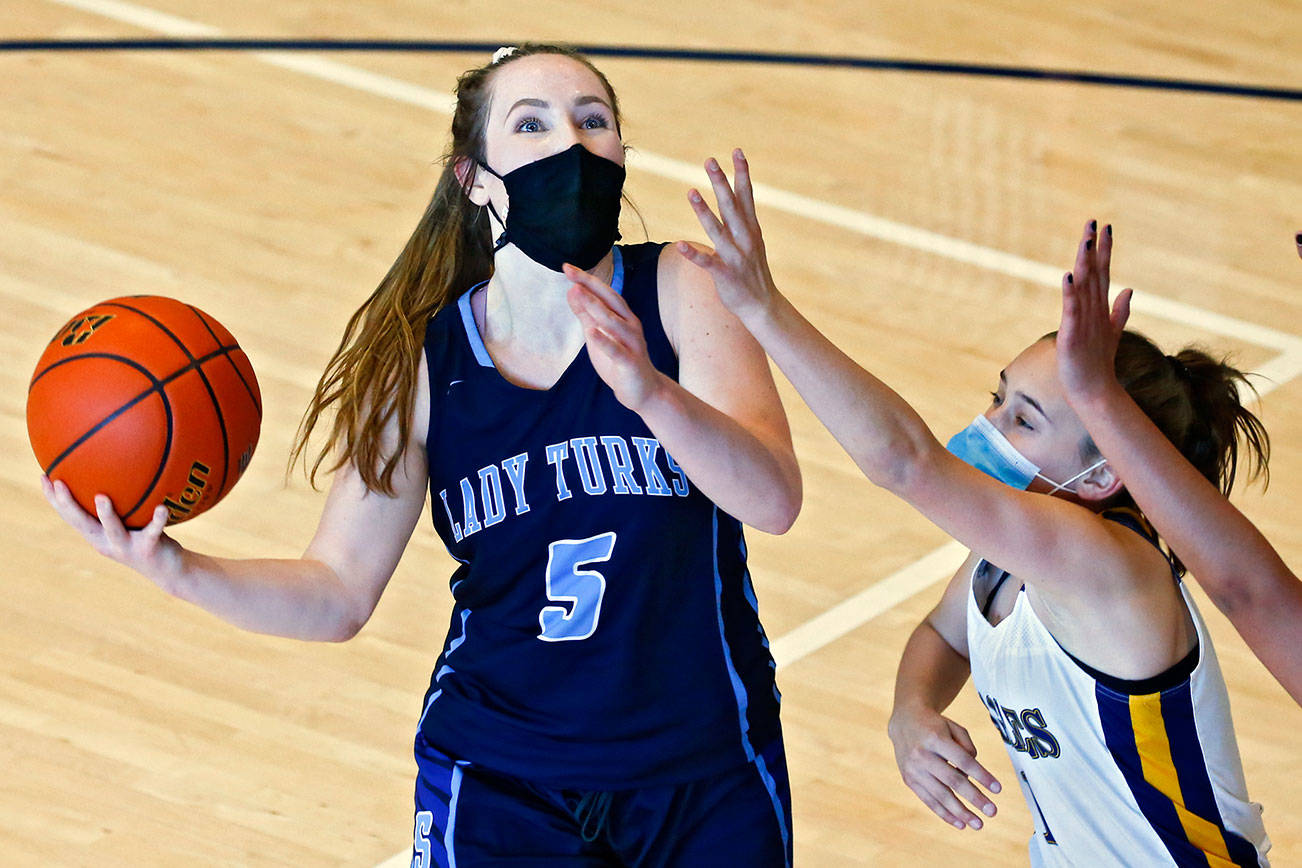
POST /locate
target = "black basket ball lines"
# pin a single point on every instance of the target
(148, 400)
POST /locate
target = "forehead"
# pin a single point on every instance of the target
(1035, 371)
(1037, 359)
(550, 77)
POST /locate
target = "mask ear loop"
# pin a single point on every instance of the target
(502, 240)
(1059, 486)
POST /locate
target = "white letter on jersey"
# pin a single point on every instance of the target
(680, 478)
(514, 467)
(621, 465)
(589, 464)
(647, 447)
(468, 506)
(456, 528)
(490, 490)
(556, 454)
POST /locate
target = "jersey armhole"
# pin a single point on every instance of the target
(1175, 675)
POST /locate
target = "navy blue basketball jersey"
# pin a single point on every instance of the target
(605, 632)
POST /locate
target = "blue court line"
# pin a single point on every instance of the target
(979, 70)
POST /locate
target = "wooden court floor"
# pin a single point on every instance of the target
(914, 217)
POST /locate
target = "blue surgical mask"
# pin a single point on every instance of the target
(983, 446)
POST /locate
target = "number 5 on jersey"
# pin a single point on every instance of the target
(582, 589)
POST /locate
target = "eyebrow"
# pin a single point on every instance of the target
(1003, 378)
(542, 103)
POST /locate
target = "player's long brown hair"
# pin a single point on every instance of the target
(371, 379)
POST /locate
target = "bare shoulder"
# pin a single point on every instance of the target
(682, 287)
(420, 407)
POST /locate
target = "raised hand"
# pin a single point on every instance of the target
(148, 551)
(614, 337)
(738, 264)
(937, 760)
(1089, 332)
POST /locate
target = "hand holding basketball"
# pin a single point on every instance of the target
(738, 264)
(148, 551)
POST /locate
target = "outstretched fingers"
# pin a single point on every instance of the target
(744, 189)
(1103, 259)
(714, 230)
(729, 211)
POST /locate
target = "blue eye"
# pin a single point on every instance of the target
(529, 125)
(594, 122)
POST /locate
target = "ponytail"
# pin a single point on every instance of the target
(371, 378)
(1220, 425)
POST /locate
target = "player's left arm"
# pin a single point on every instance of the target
(722, 421)
(1061, 547)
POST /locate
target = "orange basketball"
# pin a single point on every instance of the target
(148, 400)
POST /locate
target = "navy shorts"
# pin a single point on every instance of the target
(468, 816)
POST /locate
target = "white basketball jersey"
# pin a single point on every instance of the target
(1114, 778)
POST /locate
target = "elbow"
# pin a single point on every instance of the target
(346, 610)
(1230, 594)
(782, 517)
(345, 628)
(350, 619)
(904, 466)
(784, 506)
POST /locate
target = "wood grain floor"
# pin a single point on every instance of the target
(137, 731)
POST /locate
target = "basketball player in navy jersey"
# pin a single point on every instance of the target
(606, 696)
(1068, 615)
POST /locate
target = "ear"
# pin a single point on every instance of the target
(1100, 484)
(468, 175)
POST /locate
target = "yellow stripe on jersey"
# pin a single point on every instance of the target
(1159, 770)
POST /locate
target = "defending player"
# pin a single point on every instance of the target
(1072, 621)
(1187, 503)
(606, 695)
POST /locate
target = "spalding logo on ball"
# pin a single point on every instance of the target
(148, 400)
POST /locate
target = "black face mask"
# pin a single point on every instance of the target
(564, 208)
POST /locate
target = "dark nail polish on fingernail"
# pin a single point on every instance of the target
(1299, 238)
(1089, 245)
(1094, 225)
(1069, 280)
(1108, 229)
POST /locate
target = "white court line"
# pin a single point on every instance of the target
(792, 203)
(940, 563)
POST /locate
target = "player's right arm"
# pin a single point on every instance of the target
(935, 755)
(1232, 561)
(327, 594)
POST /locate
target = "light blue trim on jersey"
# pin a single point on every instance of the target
(452, 814)
(772, 787)
(738, 689)
(472, 330)
(748, 588)
(617, 278)
(445, 669)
